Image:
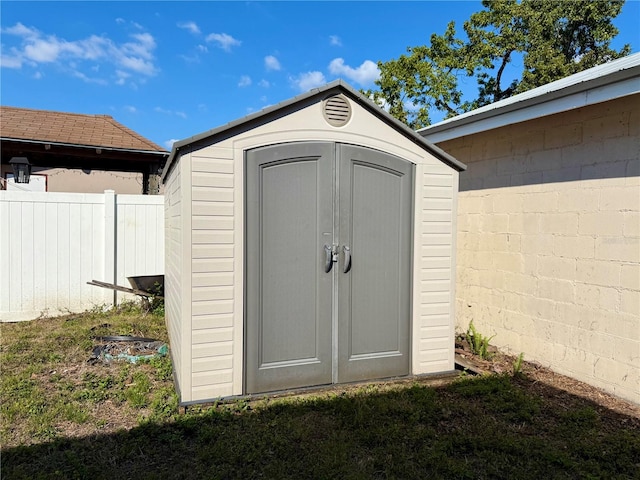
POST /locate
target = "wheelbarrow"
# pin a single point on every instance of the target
(145, 286)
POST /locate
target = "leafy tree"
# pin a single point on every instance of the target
(551, 39)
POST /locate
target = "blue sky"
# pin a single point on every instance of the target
(171, 70)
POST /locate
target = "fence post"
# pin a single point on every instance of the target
(110, 244)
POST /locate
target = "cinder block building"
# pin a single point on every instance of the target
(548, 247)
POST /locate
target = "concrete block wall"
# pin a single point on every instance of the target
(549, 241)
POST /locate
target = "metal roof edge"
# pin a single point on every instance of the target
(403, 128)
(91, 147)
(549, 95)
(340, 85)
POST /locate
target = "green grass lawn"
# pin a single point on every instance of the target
(65, 418)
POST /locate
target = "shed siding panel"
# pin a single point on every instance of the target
(209, 378)
(221, 362)
(173, 270)
(221, 320)
(213, 208)
(207, 224)
(212, 293)
(216, 236)
(433, 281)
(211, 350)
(212, 265)
(213, 275)
(214, 390)
(213, 335)
(212, 251)
(208, 164)
(215, 279)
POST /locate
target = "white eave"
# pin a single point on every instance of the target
(97, 148)
(605, 82)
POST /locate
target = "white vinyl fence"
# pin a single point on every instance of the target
(52, 244)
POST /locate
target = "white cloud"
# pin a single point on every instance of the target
(43, 51)
(35, 48)
(37, 75)
(137, 65)
(195, 58)
(85, 78)
(307, 81)
(169, 143)
(142, 47)
(335, 40)
(192, 27)
(264, 83)
(20, 30)
(122, 77)
(131, 109)
(164, 111)
(410, 106)
(223, 41)
(380, 101)
(10, 61)
(91, 48)
(365, 74)
(383, 104)
(271, 63)
(190, 58)
(245, 81)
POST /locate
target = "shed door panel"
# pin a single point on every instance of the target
(305, 326)
(289, 218)
(375, 223)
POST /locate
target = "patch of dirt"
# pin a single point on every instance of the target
(105, 416)
(543, 379)
(537, 379)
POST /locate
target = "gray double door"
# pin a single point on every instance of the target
(328, 254)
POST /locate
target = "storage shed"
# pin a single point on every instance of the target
(311, 243)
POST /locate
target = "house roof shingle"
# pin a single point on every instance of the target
(71, 129)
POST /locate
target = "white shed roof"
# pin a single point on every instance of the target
(275, 111)
(611, 80)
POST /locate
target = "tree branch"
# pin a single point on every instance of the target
(497, 93)
(443, 106)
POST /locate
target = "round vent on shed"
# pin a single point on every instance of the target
(336, 110)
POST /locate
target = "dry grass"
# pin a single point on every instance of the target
(64, 418)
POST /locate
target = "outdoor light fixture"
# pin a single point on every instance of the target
(21, 169)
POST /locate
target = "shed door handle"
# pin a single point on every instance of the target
(347, 258)
(328, 258)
